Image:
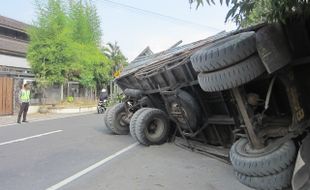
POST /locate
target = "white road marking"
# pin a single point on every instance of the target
(90, 168)
(31, 137)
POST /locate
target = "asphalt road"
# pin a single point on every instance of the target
(79, 153)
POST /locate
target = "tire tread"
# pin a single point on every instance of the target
(111, 119)
(232, 76)
(262, 165)
(224, 52)
(133, 122)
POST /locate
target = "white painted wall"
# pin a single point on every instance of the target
(13, 61)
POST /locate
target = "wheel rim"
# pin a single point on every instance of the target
(183, 120)
(247, 150)
(155, 129)
(121, 120)
(181, 108)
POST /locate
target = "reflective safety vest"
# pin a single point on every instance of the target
(25, 95)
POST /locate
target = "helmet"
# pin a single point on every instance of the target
(103, 90)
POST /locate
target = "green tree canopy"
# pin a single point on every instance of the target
(247, 12)
(64, 43)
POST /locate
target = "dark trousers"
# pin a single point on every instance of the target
(23, 110)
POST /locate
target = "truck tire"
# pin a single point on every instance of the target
(232, 76)
(152, 127)
(251, 162)
(277, 181)
(115, 121)
(135, 93)
(133, 121)
(105, 119)
(225, 52)
(190, 107)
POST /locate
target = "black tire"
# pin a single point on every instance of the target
(133, 120)
(135, 93)
(261, 163)
(277, 181)
(100, 110)
(115, 121)
(224, 52)
(190, 107)
(152, 118)
(105, 119)
(232, 76)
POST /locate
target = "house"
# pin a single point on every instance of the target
(14, 68)
(13, 48)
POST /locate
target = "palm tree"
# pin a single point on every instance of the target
(114, 53)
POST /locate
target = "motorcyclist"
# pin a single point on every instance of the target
(103, 95)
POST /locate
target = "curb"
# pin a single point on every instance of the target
(48, 119)
(72, 110)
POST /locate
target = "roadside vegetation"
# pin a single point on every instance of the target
(249, 12)
(65, 45)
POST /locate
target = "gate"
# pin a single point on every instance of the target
(6, 96)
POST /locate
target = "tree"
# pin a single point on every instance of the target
(64, 43)
(118, 60)
(91, 66)
(85, 22)
(247, 12)
(48, 50)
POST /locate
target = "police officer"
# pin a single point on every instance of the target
(24, 99)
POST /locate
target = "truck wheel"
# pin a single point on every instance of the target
(133, 122)
(190, 109)
(152, 127)
(100, 110)
(277, 181)
(105, 119)
(232, 76)
(263, 162)
(116, 121)
(224, 52)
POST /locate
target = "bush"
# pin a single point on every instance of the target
(70, 99)
(115, 99)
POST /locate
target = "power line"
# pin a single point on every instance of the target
(148, 12)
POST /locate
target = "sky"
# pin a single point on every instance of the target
(136, 24)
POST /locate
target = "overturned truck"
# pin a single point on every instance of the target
(241, 97)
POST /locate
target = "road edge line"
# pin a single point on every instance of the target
(30, 137)
(90, 168)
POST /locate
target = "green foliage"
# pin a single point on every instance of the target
(117, 98)
(85, 22)
(70, 99)
(247, 12)
(118, 60)
(64, 44)
(48, 37)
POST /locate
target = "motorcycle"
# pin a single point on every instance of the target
(101, 107)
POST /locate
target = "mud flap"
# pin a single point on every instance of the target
(301, 176)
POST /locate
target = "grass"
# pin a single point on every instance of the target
(77, 102)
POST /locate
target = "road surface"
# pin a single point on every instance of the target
(78, 153)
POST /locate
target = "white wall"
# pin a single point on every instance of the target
(13, 61)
